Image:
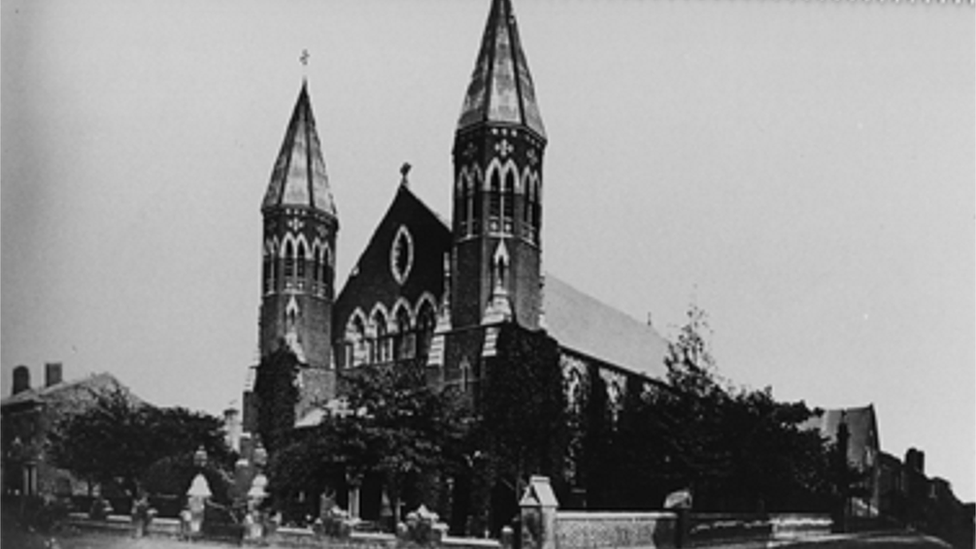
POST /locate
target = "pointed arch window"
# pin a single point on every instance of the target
(478, 201)
(501, 271)
(508, 201)
(463, 215)
(495, 195)
(275, 268)
(381, 340)
(325, 269)
(470, 204)
(316, 263)
(403, 346)
(289, 256)
(356, 347)
(468, 201)
(269, 270)
(300, 260)
(533, 207)
(426, 320)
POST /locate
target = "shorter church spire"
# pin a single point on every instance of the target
(299, 177)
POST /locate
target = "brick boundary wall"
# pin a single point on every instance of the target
(606, 530)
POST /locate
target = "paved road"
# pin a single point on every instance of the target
(876, 540)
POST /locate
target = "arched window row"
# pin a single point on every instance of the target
(293, 263)
(503, 182)
(383, 338)
(496, 192)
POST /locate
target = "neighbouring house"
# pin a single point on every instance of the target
(893, 493)
(27, 417)
(863, 452)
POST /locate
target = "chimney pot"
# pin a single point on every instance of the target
(21, 379)
(52, 374)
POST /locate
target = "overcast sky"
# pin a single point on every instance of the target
(804, 171)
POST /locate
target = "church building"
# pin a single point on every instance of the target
(429, 289)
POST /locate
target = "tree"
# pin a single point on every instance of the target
(116, 439)
(391, 423)
(522, 427)
(739, 449)
(276, 390)
(524, 405)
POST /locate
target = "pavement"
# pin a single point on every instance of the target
(14, 535)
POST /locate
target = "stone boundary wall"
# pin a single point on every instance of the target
(305, 537)
(712, 529)
(705, 529)
(797, 525)
(610, 530)
(616, 530)
(282, 537)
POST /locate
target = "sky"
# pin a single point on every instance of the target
(804, 171)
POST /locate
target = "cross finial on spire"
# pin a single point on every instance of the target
(304, 57)
(404, 170)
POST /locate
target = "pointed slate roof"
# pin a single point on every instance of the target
(299, 177)
(501, 88)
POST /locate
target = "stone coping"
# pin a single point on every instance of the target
(615, 515)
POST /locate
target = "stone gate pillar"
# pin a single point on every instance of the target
(538, 511)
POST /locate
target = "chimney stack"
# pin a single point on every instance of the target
(21, 379)
(52, 373)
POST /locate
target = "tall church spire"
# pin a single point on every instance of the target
(501, 88)
(498, 149)
(300, 227)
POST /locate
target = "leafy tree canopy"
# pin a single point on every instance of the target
(116, 439)
(524, 406)
(740, 447)
(276, 389)
(389, 421)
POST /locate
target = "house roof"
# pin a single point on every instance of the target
(65, 391)
(862, 425)
(501, 88)
(586, 325)
(299, 177)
